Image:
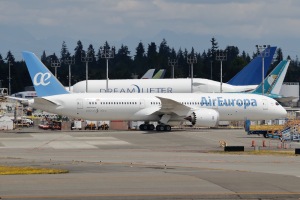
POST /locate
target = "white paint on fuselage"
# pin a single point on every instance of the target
(179, 85)
(116, 106)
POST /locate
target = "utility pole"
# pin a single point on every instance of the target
(191, 60)
(86, 58)
(172, 63)
(70, 61)
(263, 51)
(221, 56)
(55, 64)
(107, 53)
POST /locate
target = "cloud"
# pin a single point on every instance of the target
(102, 20)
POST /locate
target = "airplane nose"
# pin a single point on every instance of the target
(283, 112)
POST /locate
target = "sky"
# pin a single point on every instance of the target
(36, 25)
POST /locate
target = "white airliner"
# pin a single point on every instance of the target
(203, 109)
(179, 85)
(273, 83)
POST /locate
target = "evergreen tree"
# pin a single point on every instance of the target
(10, 57)
(139, 62)
(44, 58)
(64, 53)
(163, 55)
(279, 55)
(78, 52)
(123, 63)
(91, 53)
(152, 55)
(214, 47)
(140, 52)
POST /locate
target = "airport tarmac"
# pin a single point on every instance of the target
(182, 164)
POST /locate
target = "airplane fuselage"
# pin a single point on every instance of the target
(147, 107)
(179, 85)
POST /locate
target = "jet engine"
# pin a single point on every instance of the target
(204, 117)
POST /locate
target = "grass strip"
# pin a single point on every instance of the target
(260, 152)
(13, 170)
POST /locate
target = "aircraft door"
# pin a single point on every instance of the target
(265, 104)
(79, 103)
(142, 103)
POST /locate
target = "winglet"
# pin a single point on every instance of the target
(159, 74)
(274, 80)
(45, 83)
(148, 74)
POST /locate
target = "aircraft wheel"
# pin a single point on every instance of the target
(158, 127)
(151, 127)
(142, 126)
(167, 128)
(161, 128)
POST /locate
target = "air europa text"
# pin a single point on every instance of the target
(220, 101)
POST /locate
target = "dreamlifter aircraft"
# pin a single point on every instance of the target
(203, 109)
(245, 81)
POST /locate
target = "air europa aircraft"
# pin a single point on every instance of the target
(204, 109)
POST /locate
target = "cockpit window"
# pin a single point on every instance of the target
(277, 104)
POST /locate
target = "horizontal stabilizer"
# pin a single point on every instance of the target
(43, 101)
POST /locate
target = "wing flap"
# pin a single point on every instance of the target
(170, 106)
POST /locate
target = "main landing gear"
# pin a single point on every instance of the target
(150, 127)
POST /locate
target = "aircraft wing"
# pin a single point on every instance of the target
(169, 106)
(148, 111)
(285, 99)
(20, 100)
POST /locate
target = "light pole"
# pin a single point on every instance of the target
(69, 62)
(86, 58)
(221, 56)
(191, 60)
(107, 53)
(55, 64)
(263, 51)
(172, 63)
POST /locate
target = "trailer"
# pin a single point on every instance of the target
(286, 131)
(265, 129)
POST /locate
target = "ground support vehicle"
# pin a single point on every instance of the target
(91, 125)
(290, 130)
(265, 130)
(103, 125)
(76, 124)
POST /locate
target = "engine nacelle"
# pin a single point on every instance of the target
(204, 117)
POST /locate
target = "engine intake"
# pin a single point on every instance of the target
(204, 117)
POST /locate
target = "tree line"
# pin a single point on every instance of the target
(123, 64)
